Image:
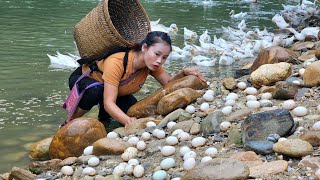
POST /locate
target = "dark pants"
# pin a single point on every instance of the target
(94, 96)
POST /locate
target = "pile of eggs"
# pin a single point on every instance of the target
(132, 166)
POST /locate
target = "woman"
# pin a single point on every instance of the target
(115, 98)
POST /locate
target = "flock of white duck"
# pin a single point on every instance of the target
(238, 44)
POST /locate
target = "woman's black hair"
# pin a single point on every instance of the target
(152, 38)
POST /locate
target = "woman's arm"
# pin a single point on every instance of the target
(110, 95)
(165, 78)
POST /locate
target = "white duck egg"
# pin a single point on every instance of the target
(167, 163)
(119, 170)
(112, 135)
(172, 140)
(288, 104)
(171, 124)
(93, 161)
(146, 136)
(301, 71)
(168, 150)
(138, 171)
(190, 154)
(161, 134)
(251, 90)
(129, 153)
(242, 85)
(232, 96)
(141, 145)
(318, 108)
(204, 106)
(159, 175)
(89, 171)
(133, 140)
(210, 92)
(88, 150)
(129, 169)
(267, 96)
(155, 132)
(67, 170)
(251, 98)
(190, 109)
(206, 158)
(177, 132)
(184, 136)
(133, 162)
(230, 102)
(227, 110)
(183, 150)
(212, 152)
(189, 164)
(253, 104)
(316, 126)
(300, 111)
(176, 178)
(198, 141)
(151, 124)
(208, 97)
(282, 139)
(225, 125)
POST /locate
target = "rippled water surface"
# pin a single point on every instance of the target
(31, 92)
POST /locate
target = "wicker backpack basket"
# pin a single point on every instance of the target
(110, 27)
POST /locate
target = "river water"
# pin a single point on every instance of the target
(31, 91)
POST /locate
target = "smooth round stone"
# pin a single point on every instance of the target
(260, 147)
(265, 103)
(293, 148)
(300, 111)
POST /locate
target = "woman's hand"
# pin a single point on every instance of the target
(130, 120)
(195, 72)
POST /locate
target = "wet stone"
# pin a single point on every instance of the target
(284, 90)
(260, 147)
(211, 124)
(258, 126)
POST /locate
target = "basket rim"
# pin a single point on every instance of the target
(114, 30)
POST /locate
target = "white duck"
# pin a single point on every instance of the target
(64, 61)
(226, 60)
(242, 25)
(313, 31)
(203, 61)
(189, 35)
(280, 22)
(240, 15)
(205, 37)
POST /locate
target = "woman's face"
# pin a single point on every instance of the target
(156, 55)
